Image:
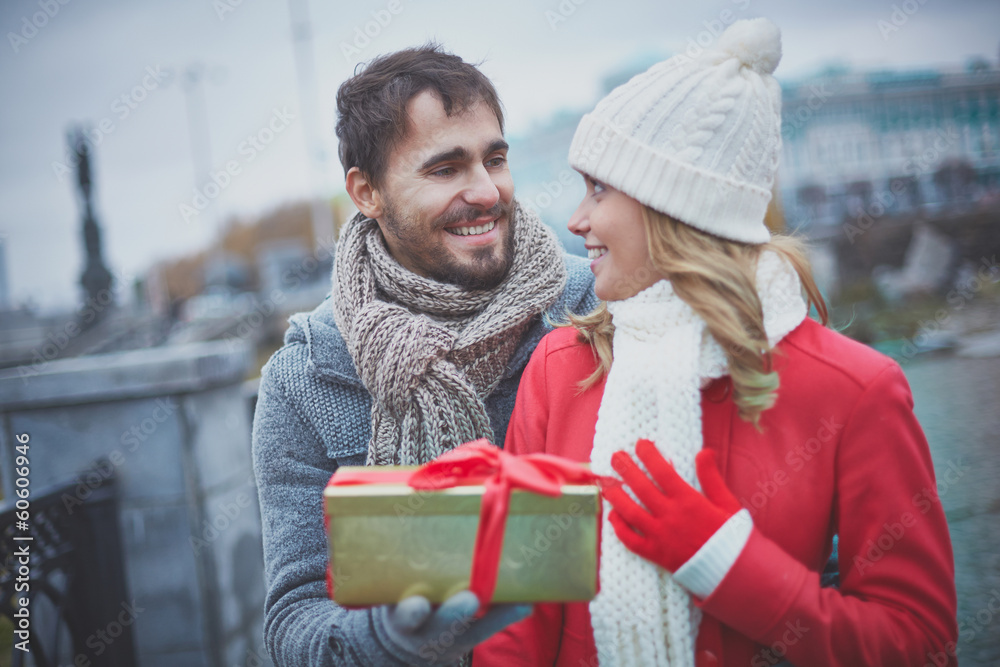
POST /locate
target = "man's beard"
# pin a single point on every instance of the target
(488, 266)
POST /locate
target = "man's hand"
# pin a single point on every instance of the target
(442, 635)
(677, 520)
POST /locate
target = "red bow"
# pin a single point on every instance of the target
(479, 462)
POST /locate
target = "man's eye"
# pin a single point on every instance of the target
(498, 161)
(443, 171)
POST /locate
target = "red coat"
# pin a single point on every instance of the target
(841, 453)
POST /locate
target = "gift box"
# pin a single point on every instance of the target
(396, 531)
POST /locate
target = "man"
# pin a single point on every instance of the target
(440, 287)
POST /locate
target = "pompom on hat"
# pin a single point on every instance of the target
(695, 138)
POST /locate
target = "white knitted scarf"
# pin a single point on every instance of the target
(662, 356)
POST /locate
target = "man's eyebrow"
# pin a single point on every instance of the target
(459, 153)
(498, 145)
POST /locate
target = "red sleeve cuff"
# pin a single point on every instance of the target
(756, 594)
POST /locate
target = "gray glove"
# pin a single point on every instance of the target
(417, 634)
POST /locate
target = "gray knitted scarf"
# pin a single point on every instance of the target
(430, 352)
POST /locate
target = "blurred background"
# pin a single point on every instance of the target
(170, 193)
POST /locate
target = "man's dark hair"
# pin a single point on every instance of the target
(371, 105)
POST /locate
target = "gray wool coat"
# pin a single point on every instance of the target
(313, 414)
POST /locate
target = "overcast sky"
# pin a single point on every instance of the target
(542, 55)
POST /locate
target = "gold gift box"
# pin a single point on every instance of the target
(390, 541)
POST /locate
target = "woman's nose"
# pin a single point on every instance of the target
(579, 222)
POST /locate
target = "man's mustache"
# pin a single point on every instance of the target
(469, 214)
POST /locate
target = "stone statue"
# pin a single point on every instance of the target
(96, 279)
(78, 142)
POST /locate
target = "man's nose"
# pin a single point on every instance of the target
(481, 192)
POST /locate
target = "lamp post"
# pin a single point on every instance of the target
(305, 69)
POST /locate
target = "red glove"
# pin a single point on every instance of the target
(679, 520)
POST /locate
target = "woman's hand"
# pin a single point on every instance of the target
(677, 520)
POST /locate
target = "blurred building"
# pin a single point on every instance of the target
(852, 141)
(918, 152)
(231, 262)
(872, 143)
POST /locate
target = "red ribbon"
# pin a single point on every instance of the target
(479, 462)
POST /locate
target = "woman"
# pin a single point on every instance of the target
(762, 433)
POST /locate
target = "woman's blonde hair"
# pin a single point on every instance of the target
(717, 278)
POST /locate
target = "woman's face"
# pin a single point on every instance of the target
(612, 228)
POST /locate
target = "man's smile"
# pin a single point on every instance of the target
(473, 230)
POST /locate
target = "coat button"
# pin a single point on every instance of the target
(706, 659)
(718, 390)
(336, 646)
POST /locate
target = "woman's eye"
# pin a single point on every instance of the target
(598, 186)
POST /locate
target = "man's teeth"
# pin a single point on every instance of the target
(472, 231)
(594, 253)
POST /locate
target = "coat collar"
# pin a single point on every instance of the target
(328, 356)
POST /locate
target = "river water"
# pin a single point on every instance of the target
(957, 401)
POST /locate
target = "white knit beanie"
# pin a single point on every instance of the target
(697, 139)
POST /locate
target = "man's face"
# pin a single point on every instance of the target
(446, 196)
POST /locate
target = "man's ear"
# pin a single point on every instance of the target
(363, 193)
